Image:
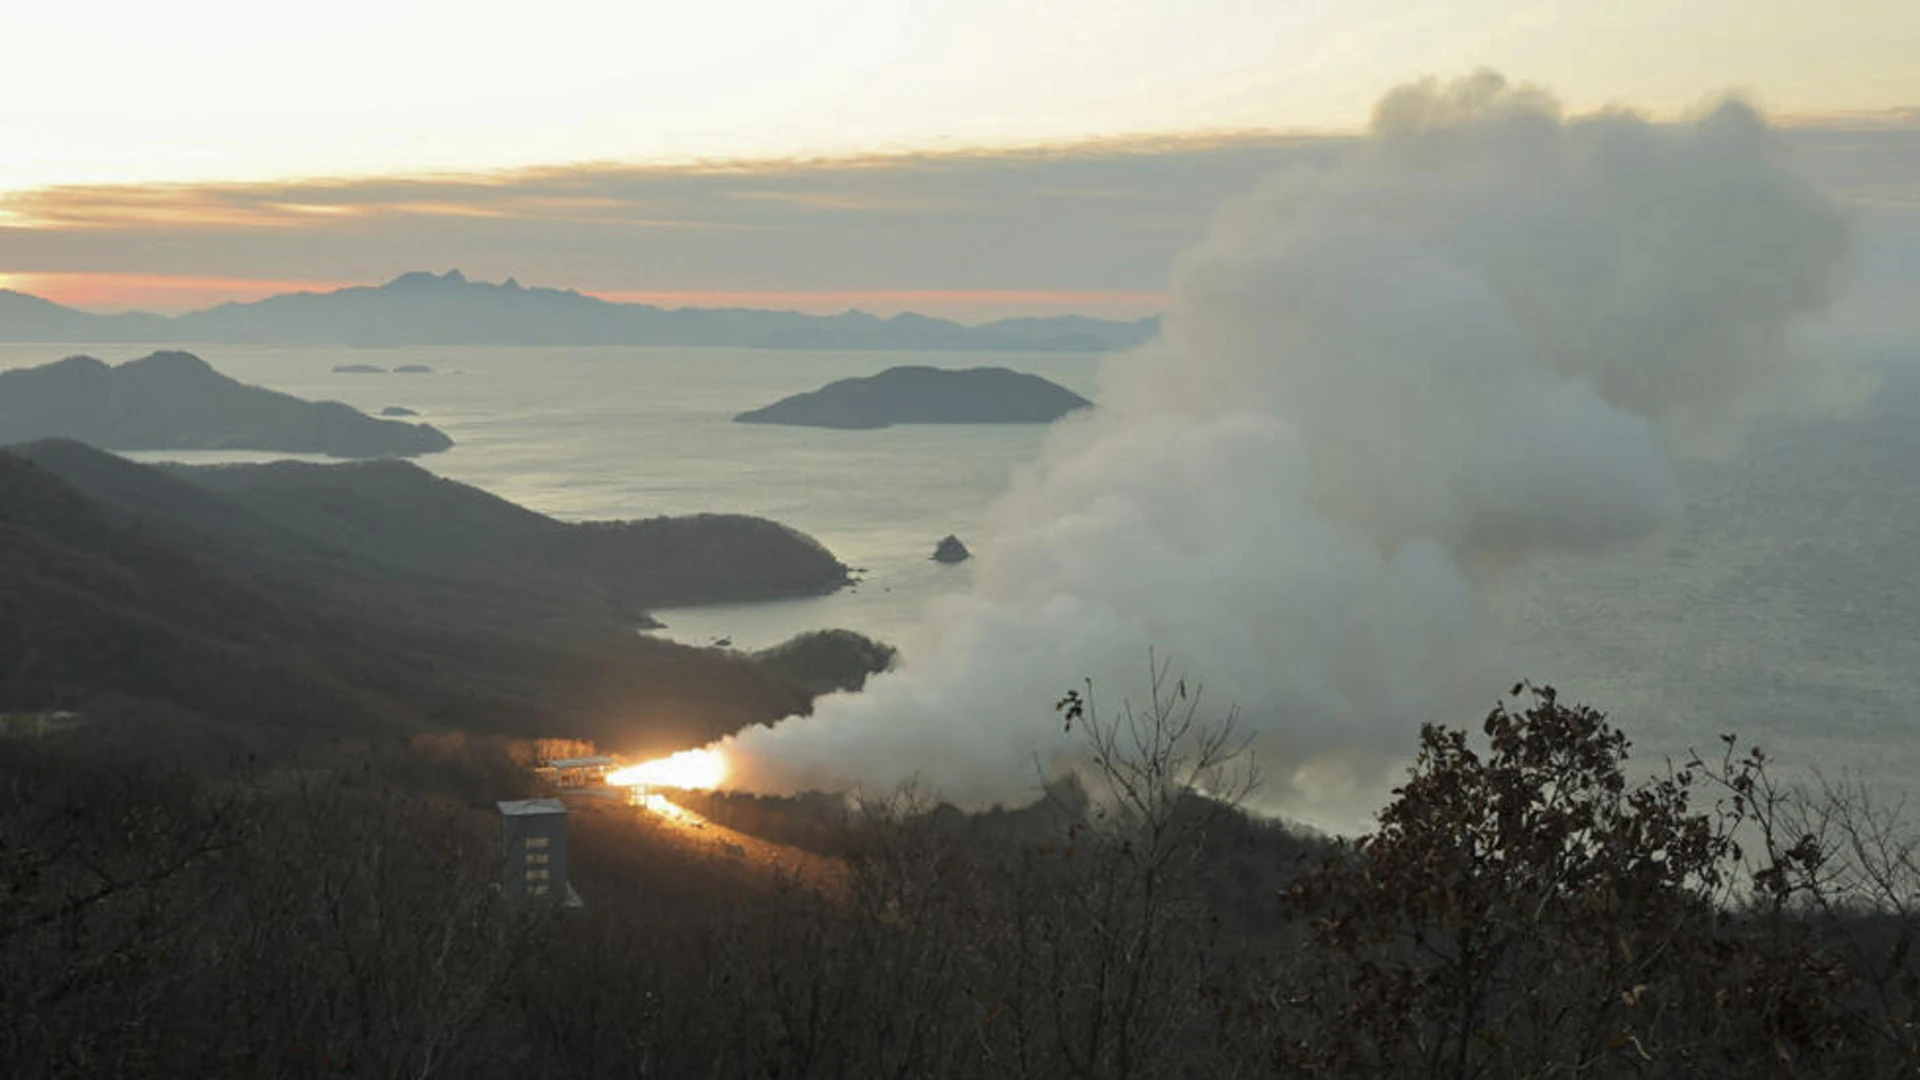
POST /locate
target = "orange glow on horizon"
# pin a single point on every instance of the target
(166, 293)
(174, 293)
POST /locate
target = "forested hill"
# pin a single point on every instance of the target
(401, 514)
(94, 607)
(123, 586)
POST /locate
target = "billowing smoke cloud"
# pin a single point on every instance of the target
(1479, 335)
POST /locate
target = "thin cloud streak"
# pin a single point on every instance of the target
(1090, 226)
(733, 193)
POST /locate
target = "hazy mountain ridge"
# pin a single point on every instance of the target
(420, 308)
(176, 401)
(29, 318)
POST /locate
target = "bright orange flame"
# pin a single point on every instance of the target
(667, 808)
(700, 770)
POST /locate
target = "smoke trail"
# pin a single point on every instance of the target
(1479, 335)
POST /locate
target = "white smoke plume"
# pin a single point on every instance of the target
(1480, 334)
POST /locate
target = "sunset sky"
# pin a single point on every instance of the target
(167, 156)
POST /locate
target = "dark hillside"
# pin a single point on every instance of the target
(90, 605)
(398, 513)
(210, 613)
(320, 573)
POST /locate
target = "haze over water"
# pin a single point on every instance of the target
(609, 433)
(1787, 609)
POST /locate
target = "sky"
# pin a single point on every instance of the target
(163, 156)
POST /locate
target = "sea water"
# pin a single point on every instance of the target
(615, 433)
(1786, 609)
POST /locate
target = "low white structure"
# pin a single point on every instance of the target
(578, 772)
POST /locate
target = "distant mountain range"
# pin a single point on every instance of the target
(421, 308)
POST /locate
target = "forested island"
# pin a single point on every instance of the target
(915, 394)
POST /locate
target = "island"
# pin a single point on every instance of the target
(359, 369)
(924, 395)
(397, 410)
(950, 550)
(413, 369)
(176, 401)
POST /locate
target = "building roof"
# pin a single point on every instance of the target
(527, 807)
(580, 762)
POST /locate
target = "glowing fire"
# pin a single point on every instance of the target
(700, 770)
(669, 809)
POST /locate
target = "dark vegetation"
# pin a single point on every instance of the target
(827, 660)
(264, 845)
(1524, 908)
(403, 515)
(303, 605)
(174, 401)
(924, 395)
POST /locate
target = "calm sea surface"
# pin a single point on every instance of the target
(602, 433)
(1787, 609)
